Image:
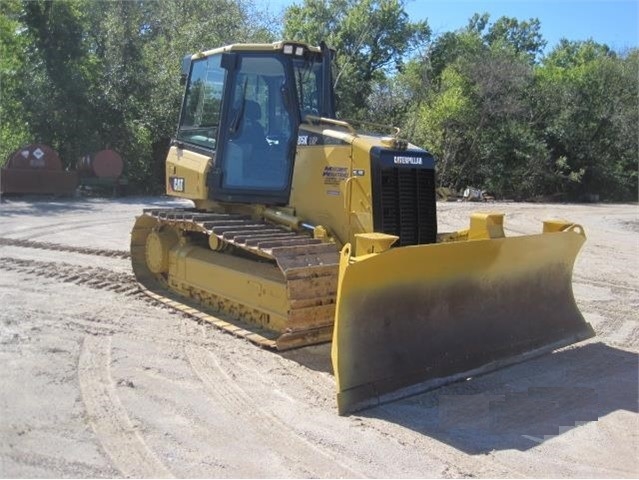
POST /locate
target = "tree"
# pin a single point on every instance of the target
(474, 112)
(86, 75)
(570, 54)
(477, 121)
(82, 75)
(141, 73)
(523, 37)
(14, 128)
(57, 76)
(370, 36)
(587, 109)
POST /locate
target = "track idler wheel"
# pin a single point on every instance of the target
(158, 245)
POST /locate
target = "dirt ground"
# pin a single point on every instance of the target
(99, 381)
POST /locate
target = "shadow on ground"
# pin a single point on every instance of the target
(516, 407)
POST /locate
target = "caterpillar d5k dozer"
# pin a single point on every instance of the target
(305, 231)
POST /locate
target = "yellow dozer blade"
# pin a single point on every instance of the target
(414, 318)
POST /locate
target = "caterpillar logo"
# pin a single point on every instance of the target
(407, 160)
(177, 184)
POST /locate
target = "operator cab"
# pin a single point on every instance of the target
(243, 106)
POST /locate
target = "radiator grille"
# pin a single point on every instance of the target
(407, 205)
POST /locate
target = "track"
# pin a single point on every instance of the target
(306, 270)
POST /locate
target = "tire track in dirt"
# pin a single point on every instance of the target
(100, 279)
(95, 327)
(95, 277)
(268, 427)
(197, 333)
(108, 418)
(621, 326)
(456, 465)
(61, 467)
(614, 307)
(240, 402)
(13, 242)
(602, 282)
(52, 228)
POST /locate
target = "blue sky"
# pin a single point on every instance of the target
(613, 22)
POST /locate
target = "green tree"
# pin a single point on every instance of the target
(474, 112)
(371, 38)
(96, 75)
(14, 127)
(587, 109)
(569, 54)
(477, 121)
(57, 76)
(523, 37)
(82, 75)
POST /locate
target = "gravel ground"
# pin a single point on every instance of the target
(100, 381)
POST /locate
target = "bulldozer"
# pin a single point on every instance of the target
(305, 230)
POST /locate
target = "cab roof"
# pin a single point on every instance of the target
(257, 47)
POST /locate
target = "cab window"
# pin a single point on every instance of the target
(202, 103)
(308, 76)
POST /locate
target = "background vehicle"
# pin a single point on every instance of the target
(304, 230)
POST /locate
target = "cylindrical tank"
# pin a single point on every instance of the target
(36, 168)
(103, 164)
(35, 156)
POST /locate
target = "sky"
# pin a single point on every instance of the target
(613, 22)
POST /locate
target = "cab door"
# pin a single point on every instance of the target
(256, 144)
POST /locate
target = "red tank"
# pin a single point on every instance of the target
(37, 168)
(102, 164)
(37, 156)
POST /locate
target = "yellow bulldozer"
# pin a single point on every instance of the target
(304, 230)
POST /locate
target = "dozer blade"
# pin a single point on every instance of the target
(414, 318)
